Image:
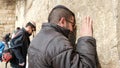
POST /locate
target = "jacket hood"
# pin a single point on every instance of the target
(57, 28)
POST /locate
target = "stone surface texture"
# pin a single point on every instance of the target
(105, 14)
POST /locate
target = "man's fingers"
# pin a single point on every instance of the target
(91, 22)
(86, 28)
(87, 22)
(91, 25)
(88, 19)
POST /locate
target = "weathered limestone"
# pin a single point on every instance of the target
(7, 16)
(106, 25)
(7, 20)
(105, 14)
(20, 13)
(118, 28)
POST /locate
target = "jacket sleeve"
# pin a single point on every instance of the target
(16, 44)
(84, 56)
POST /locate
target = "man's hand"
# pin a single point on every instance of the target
(21, 64)
(86, 28)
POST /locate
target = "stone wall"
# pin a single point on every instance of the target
(106, 23)
(105, 14)
(7, 16)
(118, 28)
(7, 19)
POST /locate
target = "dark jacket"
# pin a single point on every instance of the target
(52, 49)
(19, 45)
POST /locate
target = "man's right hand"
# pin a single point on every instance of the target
(86, 28)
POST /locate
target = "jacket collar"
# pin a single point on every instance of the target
(57, 28)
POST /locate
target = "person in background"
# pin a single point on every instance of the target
(14, 33)
(51, 47)
(20, 44)
(7, 38)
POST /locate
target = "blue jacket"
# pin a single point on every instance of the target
(2, 46)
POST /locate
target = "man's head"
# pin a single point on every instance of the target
(30, 27)
(18, 28)
(63, 17)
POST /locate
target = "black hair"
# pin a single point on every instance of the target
(58, 12)
(30, 24)
(18, 28)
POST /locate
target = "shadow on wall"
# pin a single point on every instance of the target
(98, 63)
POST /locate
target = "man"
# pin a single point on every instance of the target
(20, 44)
(51, 47)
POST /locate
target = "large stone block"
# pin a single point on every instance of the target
(106, 24)
(7, 16)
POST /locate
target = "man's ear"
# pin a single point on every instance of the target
(62, 22)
